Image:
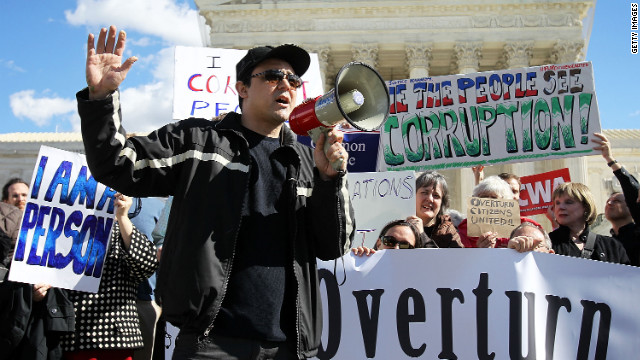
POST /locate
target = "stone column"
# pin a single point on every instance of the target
(467, 56)
(418, 59)
(567, 51)
(518, 53)
(366, 53)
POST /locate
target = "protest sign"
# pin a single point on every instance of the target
(205, 79)
(497, 215)
(379, 198)
(498, 117)
(477, 304)
(536, 190)
(362, 147)
(66, 225)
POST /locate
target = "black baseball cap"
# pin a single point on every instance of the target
(296, 56)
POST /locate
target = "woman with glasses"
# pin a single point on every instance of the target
(574, 209)
(398, 234)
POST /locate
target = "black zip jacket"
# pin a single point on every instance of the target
(205, 165)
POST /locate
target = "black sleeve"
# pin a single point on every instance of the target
(138, 165)
(630, 187)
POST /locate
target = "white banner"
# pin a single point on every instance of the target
(478, 304)
(66, 225)
(489, 118)
(205, 78)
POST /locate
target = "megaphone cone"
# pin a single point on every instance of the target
(360, 97)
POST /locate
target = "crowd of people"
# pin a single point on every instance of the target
(573, 211)
(240, 280)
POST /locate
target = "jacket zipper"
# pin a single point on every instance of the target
(230, 265)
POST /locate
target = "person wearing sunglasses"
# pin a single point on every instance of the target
(252, 207)
(398, 234)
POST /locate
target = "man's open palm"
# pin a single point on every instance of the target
(105, 70)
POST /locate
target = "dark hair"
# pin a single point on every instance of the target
(508, 176)
(394, 223)
(5, 189)
(433, 179)
(246, 80)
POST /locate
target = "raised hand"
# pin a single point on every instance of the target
(478, 173)
(105, 70)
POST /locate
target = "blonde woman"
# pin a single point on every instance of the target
(574, 209)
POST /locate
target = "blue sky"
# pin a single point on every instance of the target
(44, 48)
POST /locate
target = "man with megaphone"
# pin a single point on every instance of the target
(252, 207)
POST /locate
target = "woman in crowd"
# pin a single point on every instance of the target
(492, 187)
(574, 210)
(432, 202)
(107, 325)
(398, 234)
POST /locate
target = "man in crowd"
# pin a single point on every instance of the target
(621, 209)
(15, 192)
(252, 207)
(530, 237)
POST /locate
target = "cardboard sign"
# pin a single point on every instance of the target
(379, 198)
(489, 118)
(486, 214)
(66, 225)
(477, 304)
(205, 79)
(536, 190)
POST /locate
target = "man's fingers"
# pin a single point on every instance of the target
(91, 47)
(111, 39)
(128, 63)
(122, 39)
(101, 41)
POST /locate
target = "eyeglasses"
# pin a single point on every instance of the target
(391, 241)
(274, 76)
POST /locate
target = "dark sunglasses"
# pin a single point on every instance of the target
(275, 76)
(391, 241)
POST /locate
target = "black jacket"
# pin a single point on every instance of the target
(205, 165)
(33, 330)
(605, 248)
(629, 235)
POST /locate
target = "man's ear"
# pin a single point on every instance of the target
(242, 89)
(377, 245)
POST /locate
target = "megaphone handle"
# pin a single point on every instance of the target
(315, 136)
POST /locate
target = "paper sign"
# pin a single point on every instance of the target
(66, 225)
(489, 118)
(536, 191)
(379, 198)
(205, 79)
(486, 214)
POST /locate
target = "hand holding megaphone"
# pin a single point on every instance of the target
(360, 97)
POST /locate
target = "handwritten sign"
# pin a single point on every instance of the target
(488, 118)
(379, 198)
(64, 236)
(205, 79)
(486, 214)
(477, 304)
(536, 190)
